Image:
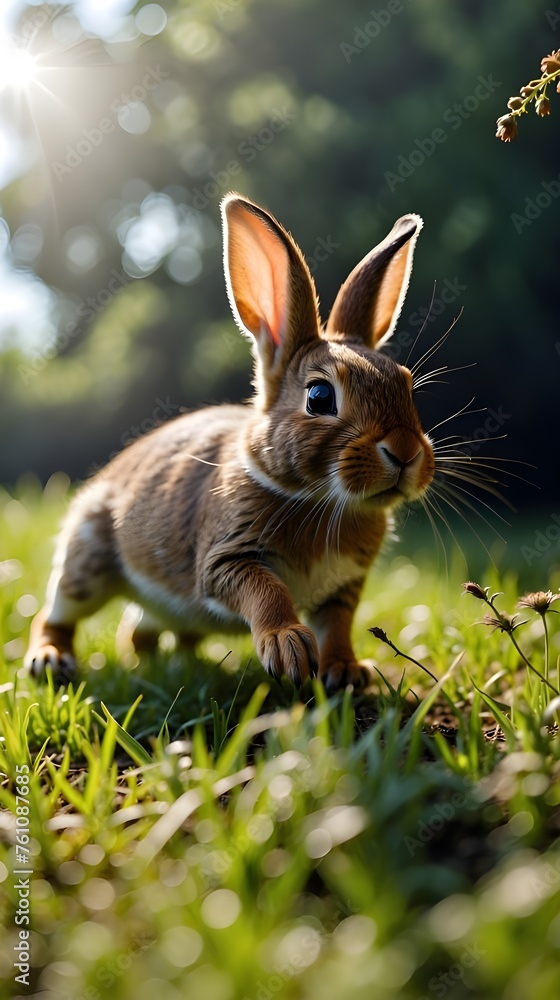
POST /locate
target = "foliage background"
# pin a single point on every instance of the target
(226, 68)
(442, 871)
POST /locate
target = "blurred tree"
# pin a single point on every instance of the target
(123, 125)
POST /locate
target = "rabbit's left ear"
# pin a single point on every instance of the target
(369, 302)
(270, 288)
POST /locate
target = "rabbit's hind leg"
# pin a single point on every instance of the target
(139, 632)
(84, 576)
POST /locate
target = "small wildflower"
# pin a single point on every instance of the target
(380, 634)
(551, 63)
(503, 621)
(532, 92)
(539, 602)
(476, 590)
(507, 128)
(542, 106)
(383, 637)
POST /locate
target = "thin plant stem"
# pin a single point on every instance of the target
(542, 85)
(545, 646)
(520, 651)
(380, 634)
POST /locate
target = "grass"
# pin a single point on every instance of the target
(199, 830)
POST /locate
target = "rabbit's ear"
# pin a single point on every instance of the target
(369, 302)
(271, 292)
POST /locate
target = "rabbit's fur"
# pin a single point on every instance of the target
(237, 516)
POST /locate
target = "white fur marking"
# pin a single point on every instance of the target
(261, 479)
(176, 609)
(325, 578)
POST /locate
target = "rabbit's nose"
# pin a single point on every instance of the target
(400, 447)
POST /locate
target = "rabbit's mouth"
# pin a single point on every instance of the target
(387, 471)
(387, 497)
(393, 495)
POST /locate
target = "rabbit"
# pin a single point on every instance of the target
(239, 516)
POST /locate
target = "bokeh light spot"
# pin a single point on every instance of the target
(134, 118)
(184, 265)
(220, 909)
(27, 243)
(27, 605)
(151, 19)
(355, 934)
(181, 946)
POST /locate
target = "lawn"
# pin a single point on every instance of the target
(189, 828)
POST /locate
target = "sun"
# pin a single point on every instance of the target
(18, 67)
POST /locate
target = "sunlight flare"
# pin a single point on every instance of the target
(18, 67)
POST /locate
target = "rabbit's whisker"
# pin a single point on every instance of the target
(482, 483)
(430, 378)
(445, 490)
(434, 348)
(454, 489)
(286, 510)
(454, 446)
(443, 495)
(462, 412)
(429, 506)
(319, 507)
(482, 464)
(423, 327)
(196, 458)
(328, 499)
(335, 519)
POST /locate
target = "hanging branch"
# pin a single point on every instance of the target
(534, 91)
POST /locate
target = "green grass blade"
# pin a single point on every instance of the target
(128, 717)
(502, 719)
(135, 750)
(229, 758)
(417, 718)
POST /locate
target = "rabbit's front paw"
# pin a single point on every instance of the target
(62, 664)
(336, 674)
(291, 650)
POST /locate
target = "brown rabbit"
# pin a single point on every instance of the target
(238, 516)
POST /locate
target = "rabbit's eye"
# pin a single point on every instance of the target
(321, 399)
